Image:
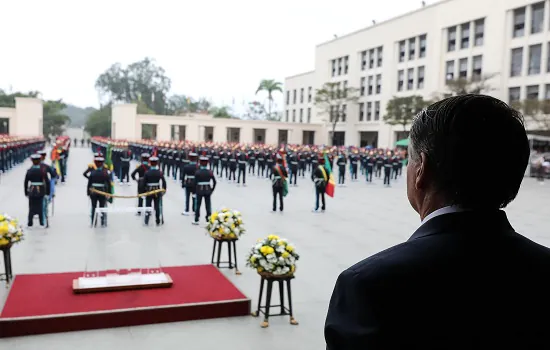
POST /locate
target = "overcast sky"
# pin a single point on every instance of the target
(219, 49)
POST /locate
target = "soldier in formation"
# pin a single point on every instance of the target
(205, 186)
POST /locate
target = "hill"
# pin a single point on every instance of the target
(77, 115)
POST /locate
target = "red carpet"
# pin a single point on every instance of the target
(45, 303)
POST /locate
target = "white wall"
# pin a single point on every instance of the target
(26, 118)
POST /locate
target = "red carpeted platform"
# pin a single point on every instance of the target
(45, 303)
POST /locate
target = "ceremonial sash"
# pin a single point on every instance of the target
(325, 176)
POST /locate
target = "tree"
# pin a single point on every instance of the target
(333, 99)
(474, 85)
(8, 99)
(255, 111)
(270, 86)
(536, 111)
(55, 120)
(221, 112)
(139, 81)
(401, 110)
(99, 122)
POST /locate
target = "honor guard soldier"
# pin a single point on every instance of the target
(37, 187)
(302, 158)
(242, 160)
(206, 184)
(188, 182)
(379, 163)
(388, 164)
(216, 161)
(91, 166)
(251, 161)
(269, 160)
(341, 162)
(232, 166)
(99, 179)
(279, 175)
(369, 169)
(354, 162)
(261, 162)
(395, 166)
(154, 180)
(140, 170)
(125, 158)
(51, 170)
(320, 178)
(293, 166)
(225, 162)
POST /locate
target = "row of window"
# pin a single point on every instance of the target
(465, 36)
(477, 64)
(294, 95)
(301, 115)
(420, 71)
(534, 66)
(371, 56)
(339, 113)
(536, 12)
(414, 46)
(369, 88)
(372, 111)
(340, 66)
(532, 93)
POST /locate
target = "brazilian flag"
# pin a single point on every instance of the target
(109, 166)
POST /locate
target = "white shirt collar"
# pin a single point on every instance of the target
(441, 211)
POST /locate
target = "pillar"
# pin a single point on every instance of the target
(124, 122)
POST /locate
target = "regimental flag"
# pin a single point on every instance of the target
(55, 161)
(329, 189)
(109, 166)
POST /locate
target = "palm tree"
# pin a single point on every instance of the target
(269, 86)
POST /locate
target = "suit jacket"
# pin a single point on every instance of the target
(463, 280)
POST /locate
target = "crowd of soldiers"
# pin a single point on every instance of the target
(196, 166)
(15, 150)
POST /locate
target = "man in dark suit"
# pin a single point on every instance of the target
(464, 279)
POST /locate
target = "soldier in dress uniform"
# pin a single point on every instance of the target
(140, 170)
(388, 165)
(395, 166)
(37, 187)
(320, 177)
(302, 159)
(242, 159)
(279, 175)
(379, 163)
(370, 162)
(354, 161)
(261, 162)
(154, 180)
(269, 160)
(232, 166)
(251, 154)
(341, 162)
(293, 167)
(125, 158)
(92, 165)
(206, 184)
(188, 182)
(99, 179)
(224, 156)
(216, 160)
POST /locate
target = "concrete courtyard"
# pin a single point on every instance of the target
(361, 220)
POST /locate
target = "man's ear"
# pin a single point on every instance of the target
(421, 181)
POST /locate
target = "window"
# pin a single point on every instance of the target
(380, 54)
(346, 61)
(547, 92)
(377, 110)
(465, 35)
(463, 68)
(294, 116)
(363, 60)
(533, 92)
(301, 115)
(410, 79)
(288, 97)
(514, 95)
(479, 28)
(422, 51)
(371, 58)
(371, 78)
(519, 22)
(333, 68)
(309, 115)
(402, 51)
(451, 39)
(362, 86)
(400, 79)
(309, 96)
(302, 95)
(343, 115)
(537, 17)
(369, 111)
(340, 66)
(412, 47)
(450, 70)
(379, 83)
(294, 96)
(286, 116)
(361, 112)
(476, 68)
(535, 52)
(345, 89)
(420, 78)
(516, 62)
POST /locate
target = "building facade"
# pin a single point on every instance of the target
(127, 124)
(24, 120)
(507, 41)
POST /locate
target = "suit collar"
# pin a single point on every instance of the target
(465, 222)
